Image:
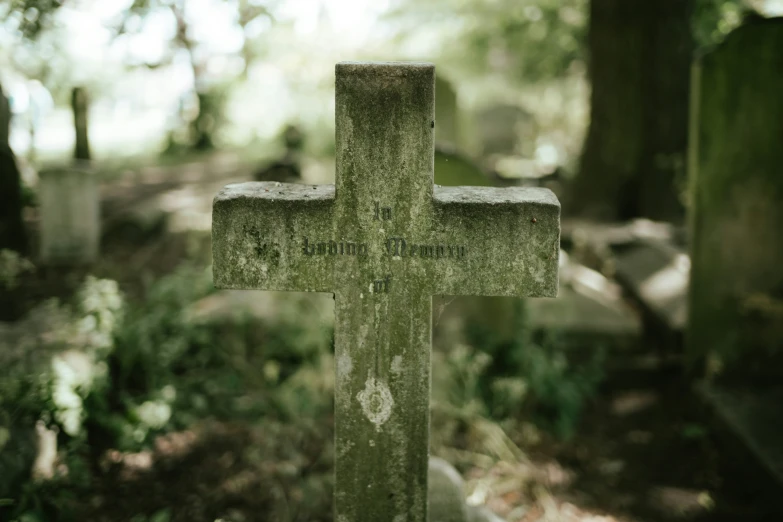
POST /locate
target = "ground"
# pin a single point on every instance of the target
(643, 454)
(645, 450)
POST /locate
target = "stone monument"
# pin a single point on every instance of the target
(736, 289)
(70, 216)
(384, 240)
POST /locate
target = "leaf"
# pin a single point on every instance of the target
(164, 515)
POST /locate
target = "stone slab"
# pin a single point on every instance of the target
(648, 259)
(447, 498)
(752, 417)
(657, 275)
(70, 216)
(736, 195)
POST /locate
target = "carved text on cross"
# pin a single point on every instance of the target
(384, 240)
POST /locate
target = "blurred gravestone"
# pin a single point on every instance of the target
(70, 216)
(80, 107)
(12, 232)
(649, 261)
(384, 240)
(453, 169)
(736, 295)
(5, 119)
(506, 130)
(446, 114)
(447, 499)
(288, 168)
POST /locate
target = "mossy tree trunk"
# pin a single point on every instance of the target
(633, 158)
(12, 232)
(202, 127)
(80, 107)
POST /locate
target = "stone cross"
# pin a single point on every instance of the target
(384, 240)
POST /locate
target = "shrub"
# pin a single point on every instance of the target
(528, 377)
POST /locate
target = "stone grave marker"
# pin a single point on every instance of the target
(735, 304)
(446, 114)
(12, 230)
(70, 216)
(383, 240)
(736, 288)
(506, 130)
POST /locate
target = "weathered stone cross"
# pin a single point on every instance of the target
(383, 240)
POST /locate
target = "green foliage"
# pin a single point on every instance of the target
(53, 362)
(526, 377)
(714, 19)
(12, 266)
(108, 374)
(528, 41)
(30, 17)
(694, 431)
(171, 369)
(164, 515)
(157, 334)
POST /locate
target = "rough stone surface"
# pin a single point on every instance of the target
(384, 240)
(737, 205)
(70, 216)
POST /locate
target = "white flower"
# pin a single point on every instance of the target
(71, 421)
(73, 368)
(154, 414)
(169, 393)
(88, 324)
(69, 408)
(65, 397)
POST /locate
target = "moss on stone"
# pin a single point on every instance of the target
(737, 200)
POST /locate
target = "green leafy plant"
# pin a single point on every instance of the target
(55, 360)
(539, 378)
(12, 266)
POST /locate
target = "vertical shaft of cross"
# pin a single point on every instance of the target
(384, 137)
(382, 353)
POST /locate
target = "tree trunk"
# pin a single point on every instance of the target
(634, 155)
(12, 232)
(80, 106)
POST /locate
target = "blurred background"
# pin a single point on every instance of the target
(649, 390)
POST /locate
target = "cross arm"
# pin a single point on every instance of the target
(258, 236)
(511, 238)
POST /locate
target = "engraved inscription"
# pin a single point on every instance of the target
(381, 286)
(333, 248)
(399, 247)
(396, 246)
(382, 213)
